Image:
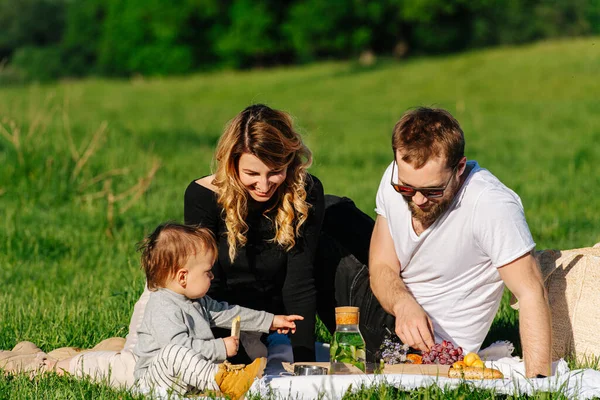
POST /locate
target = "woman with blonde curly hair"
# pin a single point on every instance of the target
(282, 248)
(266, 212)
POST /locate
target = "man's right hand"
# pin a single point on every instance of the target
(413, 326)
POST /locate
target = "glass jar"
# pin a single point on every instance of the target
(348, 346)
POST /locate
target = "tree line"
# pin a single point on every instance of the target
(46, 39)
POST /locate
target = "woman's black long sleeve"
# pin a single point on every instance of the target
(299, 290)
(263, 275)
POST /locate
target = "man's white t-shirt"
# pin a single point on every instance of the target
(451, 268)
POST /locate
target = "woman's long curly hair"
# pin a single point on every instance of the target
(267, 134)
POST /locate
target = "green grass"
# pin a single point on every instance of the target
(53, 387)
(68, 266)
(463, 391)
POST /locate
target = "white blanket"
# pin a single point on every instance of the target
(580, 384)
(577, 384)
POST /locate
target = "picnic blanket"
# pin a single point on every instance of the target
(576, 384)
(579, 384)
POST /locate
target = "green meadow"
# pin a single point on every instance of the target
(88, 167)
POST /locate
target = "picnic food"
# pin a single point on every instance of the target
(445, 353)
(348, 346)
(392, 351)
(475, 373)
(414, 358)
(235, 327)
(470, 358)
(472, 367)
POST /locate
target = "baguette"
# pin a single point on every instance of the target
(475, 373)
(235, 327)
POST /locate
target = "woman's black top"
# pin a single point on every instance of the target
(263, 275)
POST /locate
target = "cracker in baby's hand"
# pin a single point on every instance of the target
(235, 327)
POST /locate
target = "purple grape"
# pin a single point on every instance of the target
(445, 352)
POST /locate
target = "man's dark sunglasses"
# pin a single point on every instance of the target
(430, 193)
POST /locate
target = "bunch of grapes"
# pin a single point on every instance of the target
(445, 353)
(392, 351)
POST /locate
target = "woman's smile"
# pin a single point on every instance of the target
(260, 180)
(260, 193)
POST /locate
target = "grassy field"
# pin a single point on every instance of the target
(89, 167)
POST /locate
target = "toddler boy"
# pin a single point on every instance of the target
(176, 348)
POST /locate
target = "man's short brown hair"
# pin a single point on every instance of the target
(424, 133)
(166, 250)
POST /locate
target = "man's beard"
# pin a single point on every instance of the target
(427, 218)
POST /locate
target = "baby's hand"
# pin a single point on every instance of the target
(285, 323)
(232, 344)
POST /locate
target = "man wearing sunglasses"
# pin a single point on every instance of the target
(448, 237)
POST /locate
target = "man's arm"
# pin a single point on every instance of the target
(413, 326)
(524, 279)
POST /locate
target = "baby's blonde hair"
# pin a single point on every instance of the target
(267, 134)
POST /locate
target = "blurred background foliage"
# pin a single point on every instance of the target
(48, 39)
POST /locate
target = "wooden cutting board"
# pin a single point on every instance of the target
(417, 369)
(406, 369)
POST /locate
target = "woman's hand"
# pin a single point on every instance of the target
(232, 344)
(285, 323)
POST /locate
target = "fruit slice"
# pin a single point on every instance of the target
(360, 355)
(414, 358)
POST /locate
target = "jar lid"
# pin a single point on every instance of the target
(346, 315)
(346, 309)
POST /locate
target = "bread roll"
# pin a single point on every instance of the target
(235, 327)
(475, 373)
